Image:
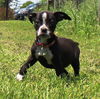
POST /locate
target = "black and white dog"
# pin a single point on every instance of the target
(51, 51)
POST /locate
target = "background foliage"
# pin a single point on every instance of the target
(2, 3)
(26, 4)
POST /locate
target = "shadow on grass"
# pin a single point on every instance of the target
(74, 80)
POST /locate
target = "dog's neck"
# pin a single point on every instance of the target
(49, 42)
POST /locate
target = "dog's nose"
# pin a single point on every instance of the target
(44, 30)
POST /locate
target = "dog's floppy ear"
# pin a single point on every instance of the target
(61, 15)
(32, 17)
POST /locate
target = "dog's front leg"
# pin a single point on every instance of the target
(61, 72)
(23, 70)
(59, 68)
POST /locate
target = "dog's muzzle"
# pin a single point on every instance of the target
(43, 31)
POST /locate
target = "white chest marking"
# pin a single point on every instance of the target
(45, 52)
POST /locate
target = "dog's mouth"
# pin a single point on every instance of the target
(43, 38)
(43, 35)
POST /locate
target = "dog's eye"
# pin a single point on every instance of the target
(36, 22)
(51, 21)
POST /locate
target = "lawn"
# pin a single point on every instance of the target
(16, 38)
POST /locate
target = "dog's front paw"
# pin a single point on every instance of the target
(19, 77)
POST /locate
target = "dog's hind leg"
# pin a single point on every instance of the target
(75, 61)
(76, 67)
(23, 70)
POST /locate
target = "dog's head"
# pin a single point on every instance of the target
(45, 22)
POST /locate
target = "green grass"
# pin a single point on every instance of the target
(16, 38)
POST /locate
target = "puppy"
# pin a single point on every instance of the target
(50, 50)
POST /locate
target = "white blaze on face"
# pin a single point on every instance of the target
(44, 17)
(43, 26)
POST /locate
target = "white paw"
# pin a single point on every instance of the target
(19, 77)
